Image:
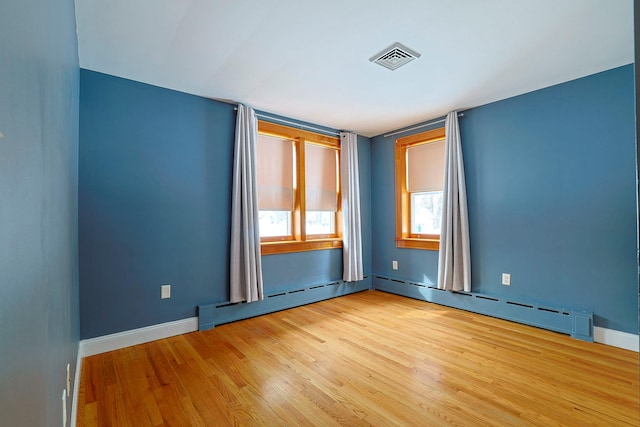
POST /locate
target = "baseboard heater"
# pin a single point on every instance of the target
(211, 315)
(575, 322)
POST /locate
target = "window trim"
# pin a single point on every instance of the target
(299, 241)
(404, 238)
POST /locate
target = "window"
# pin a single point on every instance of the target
(275, 186)
(321, 179)
(298, 189)
(419, 176)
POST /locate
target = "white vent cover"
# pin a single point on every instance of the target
(395, 56)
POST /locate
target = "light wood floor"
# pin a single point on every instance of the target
(366, 359)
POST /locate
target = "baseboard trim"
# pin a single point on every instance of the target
(92, 346)
(616, 338)
(137, 336)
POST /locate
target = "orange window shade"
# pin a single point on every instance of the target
(321, 178)
(425, 167)
(275, 173)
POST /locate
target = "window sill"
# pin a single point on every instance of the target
(412, 243)
(271, 248)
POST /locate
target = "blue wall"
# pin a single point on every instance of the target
(154, 207)
(551, 191)
(551, 197)
(39, 325)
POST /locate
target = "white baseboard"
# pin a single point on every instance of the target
(124, 339)
(92, 346)
(616, 338)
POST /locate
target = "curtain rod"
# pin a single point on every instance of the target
(303, 127)
(432, 122)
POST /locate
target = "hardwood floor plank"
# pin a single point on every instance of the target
(370, 358)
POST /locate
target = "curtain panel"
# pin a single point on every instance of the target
(350, 190)
(454, 262)
(245, 266)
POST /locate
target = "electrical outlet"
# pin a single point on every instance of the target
(68, 379)
(394, 265)
(64, 408)
(506, 279)
(165, 291)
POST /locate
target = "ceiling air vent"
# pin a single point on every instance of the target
(395, 56)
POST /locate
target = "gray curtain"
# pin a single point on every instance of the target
(454, 263)
(350, 190)
(246, 265)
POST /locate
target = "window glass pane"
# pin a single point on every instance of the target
(320, 222)
(321, 171)
(426, 212)
(274, 223)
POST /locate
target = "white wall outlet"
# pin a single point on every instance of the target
(68, 379)
(165, 291)
(64, 408)
(394, 265)
(506, 279)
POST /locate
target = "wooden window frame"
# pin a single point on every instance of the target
(404, 237)
(299, 240)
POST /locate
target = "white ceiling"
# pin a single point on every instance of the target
(310, 60)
